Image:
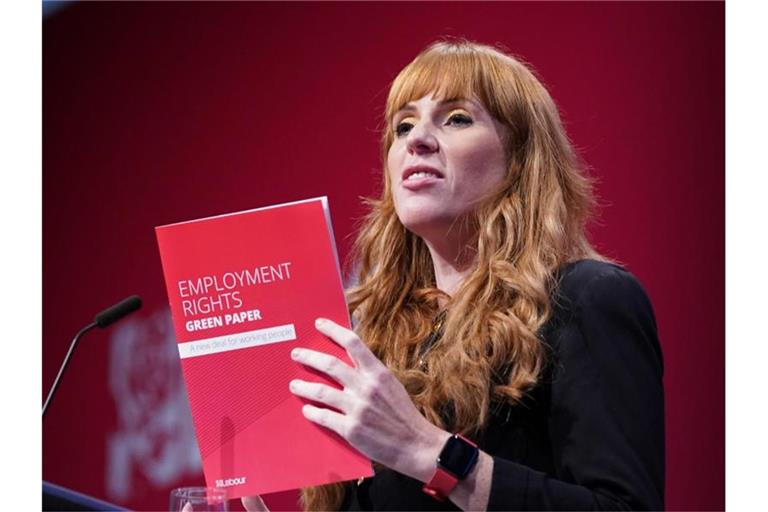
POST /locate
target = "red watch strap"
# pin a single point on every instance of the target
(443, 481)
(441, 484)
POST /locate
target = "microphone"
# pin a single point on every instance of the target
(114, 313)
(104, 319)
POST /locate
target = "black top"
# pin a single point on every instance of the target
(591, 435)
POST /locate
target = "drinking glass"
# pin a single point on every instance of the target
(196, 499)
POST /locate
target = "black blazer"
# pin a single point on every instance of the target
(591, 435)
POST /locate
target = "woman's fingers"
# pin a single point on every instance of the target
(334, 367)
(320, 393)
(326, 418)
(254, 503)
(348, 340)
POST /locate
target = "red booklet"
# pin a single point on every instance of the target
(245, 289)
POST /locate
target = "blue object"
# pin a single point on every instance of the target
(56, 497)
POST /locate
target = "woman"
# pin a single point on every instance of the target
(482, 310)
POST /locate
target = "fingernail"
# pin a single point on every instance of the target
(292, 385)
(319, 322)
(295, 353)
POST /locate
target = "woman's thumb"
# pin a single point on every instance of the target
(252, 503)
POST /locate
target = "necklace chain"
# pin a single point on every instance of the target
(434, 336)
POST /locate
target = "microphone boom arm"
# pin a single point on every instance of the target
(66, 362)
(104, 319)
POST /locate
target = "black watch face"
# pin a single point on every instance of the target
(458, 457)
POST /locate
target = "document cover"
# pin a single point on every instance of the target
(245, 289)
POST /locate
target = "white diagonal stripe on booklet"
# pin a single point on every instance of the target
(237, 341)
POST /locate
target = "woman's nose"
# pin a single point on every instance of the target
(421, 140)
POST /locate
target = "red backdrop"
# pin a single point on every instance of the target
(161, 112)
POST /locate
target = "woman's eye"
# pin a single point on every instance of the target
(403, 128)
(459, 119)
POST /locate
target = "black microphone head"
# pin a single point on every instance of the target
(114, 313)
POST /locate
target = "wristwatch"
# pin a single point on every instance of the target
(455, 462)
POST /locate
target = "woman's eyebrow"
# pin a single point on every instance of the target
(410, 107)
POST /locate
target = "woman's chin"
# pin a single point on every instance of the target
(427, 223)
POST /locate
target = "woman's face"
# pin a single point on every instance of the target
(446, 155)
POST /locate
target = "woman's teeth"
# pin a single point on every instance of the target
(420, 174)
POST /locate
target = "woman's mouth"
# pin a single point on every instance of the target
(420, 170)
(419, 182)
(420, 174)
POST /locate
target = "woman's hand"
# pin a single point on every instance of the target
(376, 414)
(254, 503)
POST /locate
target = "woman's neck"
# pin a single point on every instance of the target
(453, 261)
